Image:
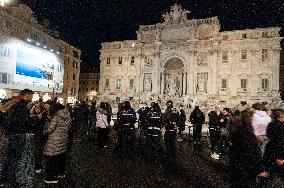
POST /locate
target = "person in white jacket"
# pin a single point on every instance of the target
(102, 125)
(260, 122)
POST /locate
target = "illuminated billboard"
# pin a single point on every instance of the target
(32, 67)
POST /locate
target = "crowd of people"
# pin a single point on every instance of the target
(252, 139)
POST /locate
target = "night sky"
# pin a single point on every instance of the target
(86, 23)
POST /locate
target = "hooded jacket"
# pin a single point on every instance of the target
(102, 118)
(260, 122)
(57, 131)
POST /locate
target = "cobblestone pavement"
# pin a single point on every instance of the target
(89, 166)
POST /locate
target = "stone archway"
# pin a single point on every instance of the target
(174, 83)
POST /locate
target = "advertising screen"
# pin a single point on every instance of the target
(37, 67)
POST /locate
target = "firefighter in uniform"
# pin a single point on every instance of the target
(154, 124)
(126, 121)
(171, 124)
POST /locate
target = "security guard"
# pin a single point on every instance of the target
(171, 124)
(126, 121)
(154, 124)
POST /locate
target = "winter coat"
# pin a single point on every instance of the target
(102, 118)
(260, 122)
(214, 120)
(275, 147)
(57, 131)
(182, 122)
(197, 116)
(245, 157)
(17, 116)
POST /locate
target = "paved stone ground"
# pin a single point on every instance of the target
(91, 166)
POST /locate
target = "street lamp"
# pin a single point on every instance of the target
(94, 94)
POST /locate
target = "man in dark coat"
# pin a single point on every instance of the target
(126, 120)
(17, 128)
(197, 118)
(274, 153)
(171, 120)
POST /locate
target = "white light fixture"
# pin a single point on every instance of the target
(45, 47)
(29, 40)
(2, 94)
(35, 97)
(51, 50)
(4, 2)
(46, 97)
(38, 44)
(57, 52)
(133, 44)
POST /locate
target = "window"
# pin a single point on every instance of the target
(265, 84)
(74, 76)
(76, 65)
(87, 89)
(244, 84)
(72, 90)
(76, 54)
(108, 61)
(131, 83)
(34, 36)
(224, 84)
(132, 60)
(244, 35)
(225, 57)
(244, 55)
(264, 34)
(4, 78)
(73, 64)
(264, 54)
(5, 52)
(225, 37)
(120, 60)
(118, 84)
(107, 82)
(8, 24)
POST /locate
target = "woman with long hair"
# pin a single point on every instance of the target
(244, 154)
(55, 149)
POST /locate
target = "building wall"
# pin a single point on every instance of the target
(89, 83)
(72, 65)
(21, 27)
(193, 60)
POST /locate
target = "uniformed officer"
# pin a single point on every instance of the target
(154, 124)
(171, 124)
(126, 121)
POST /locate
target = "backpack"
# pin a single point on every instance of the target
(174, 115)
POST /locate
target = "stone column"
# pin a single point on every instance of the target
(184, 74)
(155, 73)
(162, 81)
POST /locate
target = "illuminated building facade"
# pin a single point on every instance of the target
(192, 61)
(31, 54)
(72, 64)
(89, 83)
